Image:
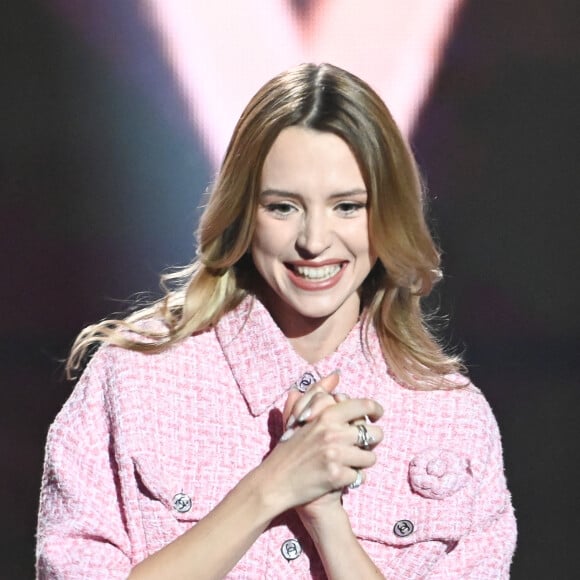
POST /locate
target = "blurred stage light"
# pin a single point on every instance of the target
(221, 52)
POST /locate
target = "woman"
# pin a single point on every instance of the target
(225, 429)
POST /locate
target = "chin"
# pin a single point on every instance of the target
(316, 311)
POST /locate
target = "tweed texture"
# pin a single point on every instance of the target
(140, 429)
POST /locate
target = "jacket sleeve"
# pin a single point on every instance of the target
(81, 532)
(486, 551)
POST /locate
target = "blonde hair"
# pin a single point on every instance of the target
(323, 98)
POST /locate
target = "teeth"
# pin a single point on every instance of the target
(320, 273)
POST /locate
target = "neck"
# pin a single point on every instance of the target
(320, 342)
(313, 338)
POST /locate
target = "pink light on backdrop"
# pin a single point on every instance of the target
(221, 52)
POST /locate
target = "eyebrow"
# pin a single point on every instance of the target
(292, 195)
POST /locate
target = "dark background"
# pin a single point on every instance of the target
(94, 176)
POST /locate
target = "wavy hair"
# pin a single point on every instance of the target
(324, 98)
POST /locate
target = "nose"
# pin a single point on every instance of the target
(315, 235)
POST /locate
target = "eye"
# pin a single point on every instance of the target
(349, 208)
(280, 209)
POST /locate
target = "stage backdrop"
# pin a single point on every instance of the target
(115, 116)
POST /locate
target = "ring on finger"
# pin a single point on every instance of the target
(364, 438)
(358, 481)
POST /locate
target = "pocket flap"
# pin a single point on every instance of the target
(177, 487)
(398, 516)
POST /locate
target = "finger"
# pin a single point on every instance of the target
(359, 479)
(317, 404)
(349, 478)
(326, 384)
(340, 397)
(357, 458)
(361, 421)
(293, 396)
(366, 436)
(302, 408)
(354, 409)
(330, 382)
(297, 403)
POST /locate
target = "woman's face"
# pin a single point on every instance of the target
(311, 243)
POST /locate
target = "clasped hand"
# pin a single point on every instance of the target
(318, 456)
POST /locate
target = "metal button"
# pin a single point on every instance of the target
(181, 502)
(291, 549)
(305, 382)
(403, 528)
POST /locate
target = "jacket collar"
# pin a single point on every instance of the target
(265, 366)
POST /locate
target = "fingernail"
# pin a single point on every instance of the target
(304, 415)
(291, 421)
(344, 395)
(286, 435)
(335, 372)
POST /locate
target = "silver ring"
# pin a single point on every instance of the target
(358, 481)
(364, 439)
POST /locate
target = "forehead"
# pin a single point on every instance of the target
(301, 159)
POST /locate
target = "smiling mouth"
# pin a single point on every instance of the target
(318, 274)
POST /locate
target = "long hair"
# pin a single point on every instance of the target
(323, 98)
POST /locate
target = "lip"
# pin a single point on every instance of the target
(311, 264)
(314, 285)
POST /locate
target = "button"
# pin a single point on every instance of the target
(291, 549)
(181, 502)
(305, 382)
(403, 528)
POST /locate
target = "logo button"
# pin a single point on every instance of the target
(181, 502)
(305, 382)
(291, 549)
(403, 528)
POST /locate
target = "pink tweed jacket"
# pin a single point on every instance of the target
(148, 444)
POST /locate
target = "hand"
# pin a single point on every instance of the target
(319, 449)
(297, 410)
(300, 409)
(300, 406)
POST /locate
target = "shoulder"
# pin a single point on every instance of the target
(114, 372)
(110, 358)
(464, 399)
(130, 390)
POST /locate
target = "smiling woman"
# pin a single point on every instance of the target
(234, 427)
(311, 243)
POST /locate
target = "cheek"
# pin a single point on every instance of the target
(263, 244)
(357, 238)
(266, 255)
(270, 238)
(265, 251)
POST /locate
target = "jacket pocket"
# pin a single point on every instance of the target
(404, 533)
(171, 498)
